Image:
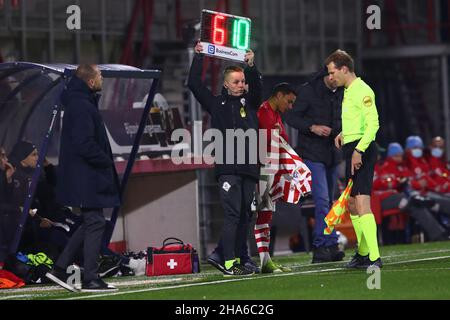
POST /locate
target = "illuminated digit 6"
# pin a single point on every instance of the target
(240, 37)
(218, 30)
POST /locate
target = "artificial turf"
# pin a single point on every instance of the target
(414, 271)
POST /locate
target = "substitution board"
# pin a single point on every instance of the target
(225, 36)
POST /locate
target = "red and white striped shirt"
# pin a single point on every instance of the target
(292, 177)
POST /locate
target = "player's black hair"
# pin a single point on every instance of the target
(283, 87)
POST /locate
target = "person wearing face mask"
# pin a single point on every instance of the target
(417, 163)
(233, 109)
(392, 182)
(426, 184)
(438, 163)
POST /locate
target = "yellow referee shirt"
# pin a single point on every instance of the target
(359, 114)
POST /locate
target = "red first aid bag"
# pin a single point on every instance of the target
(174, 257)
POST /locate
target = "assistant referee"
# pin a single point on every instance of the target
(357, 139)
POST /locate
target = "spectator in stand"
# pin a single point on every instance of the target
(392, 182)
(437, 161)
(424, 182)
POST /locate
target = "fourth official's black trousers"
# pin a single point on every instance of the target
(236, 194)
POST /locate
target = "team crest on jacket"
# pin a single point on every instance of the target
(243, 113)
(367, 101)
(243, 102)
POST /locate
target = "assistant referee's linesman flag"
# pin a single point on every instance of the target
(338, 209)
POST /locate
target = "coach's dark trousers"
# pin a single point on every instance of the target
(89, 234)
(236, 194)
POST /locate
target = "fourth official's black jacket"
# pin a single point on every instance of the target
(225, 111)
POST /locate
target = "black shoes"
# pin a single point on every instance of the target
(61, 278)
(327, 254)
(377, 263)
(251, 265)
(216, 261)
(321, 254)
(363, 262)
(336, 254)
(358, 262)
(109, 266)
(97, 285)
(237, 270)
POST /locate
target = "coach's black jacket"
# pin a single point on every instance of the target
(316, 104)
(87, 176)
(225, 114)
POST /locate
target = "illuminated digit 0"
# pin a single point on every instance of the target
(235, 33)
(242, 35)
(218, 30)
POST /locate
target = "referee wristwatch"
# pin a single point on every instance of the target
(359, 151)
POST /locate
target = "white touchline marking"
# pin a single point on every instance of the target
(413, 253)
(235, 280)
(17, 296)
(417, 260)
(208, 273)
(117, 284)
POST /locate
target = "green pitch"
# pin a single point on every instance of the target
(418, 271)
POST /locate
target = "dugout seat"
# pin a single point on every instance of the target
(397, 219)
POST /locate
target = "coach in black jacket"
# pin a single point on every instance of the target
(233, 109)
(316, 116)
(87, 177)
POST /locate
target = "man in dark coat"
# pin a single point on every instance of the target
(87, 177)
(316, 116)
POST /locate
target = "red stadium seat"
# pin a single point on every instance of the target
(398, 219)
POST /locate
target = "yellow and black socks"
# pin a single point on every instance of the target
(369, 231)
(363, 249)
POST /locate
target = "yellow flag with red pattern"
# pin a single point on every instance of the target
(338, 209)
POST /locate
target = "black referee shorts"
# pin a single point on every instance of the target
(363, 178)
